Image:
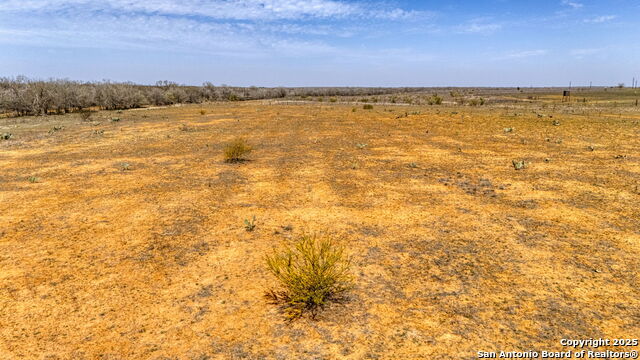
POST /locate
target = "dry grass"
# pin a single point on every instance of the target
(458, 254)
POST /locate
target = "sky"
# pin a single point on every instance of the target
(324, 42)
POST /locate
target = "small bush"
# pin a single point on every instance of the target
(312, 273)
(202, 112)
(85, 115)
(235, 150)
(434, 100)
(333, 99)
(519, 165)
(367, 107)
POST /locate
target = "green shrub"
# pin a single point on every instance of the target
(367, 107)
(333, 99)
(235, 150)
(434, 100)
(312, 273)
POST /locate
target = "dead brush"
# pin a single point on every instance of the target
(236, 150)
(312, 273)
(85, 115)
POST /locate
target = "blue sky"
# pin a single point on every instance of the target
(324, 42)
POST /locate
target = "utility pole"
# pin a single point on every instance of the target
(590, 83)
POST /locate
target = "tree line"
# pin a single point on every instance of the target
(24, 96)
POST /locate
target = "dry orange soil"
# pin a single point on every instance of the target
(454, 250)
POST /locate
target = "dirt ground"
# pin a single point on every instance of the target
(125, 239)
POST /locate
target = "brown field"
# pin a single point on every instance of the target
(125, 240)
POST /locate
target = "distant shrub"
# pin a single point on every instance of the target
(333, 99)
(474, 102)
(235, 150)
(434, 100)
(367, 107)
(202, 112)
(312, 273)
(85, 115)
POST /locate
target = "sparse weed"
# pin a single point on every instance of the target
(361, 146)
(85, 115)
(56, 129)
(519, 164)
(250, 225)
(6, 136)
(115, 119)
(312, 273)
(186, 128)
(33, 179)
(125, 166)
(367, 107)
(203, 112)
(235, 150)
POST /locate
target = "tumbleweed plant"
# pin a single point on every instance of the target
(235, 150)
(311, 273)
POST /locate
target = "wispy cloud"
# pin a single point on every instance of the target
(586, 53)
(221, 9)
(523, 54)
(478, 28)
(242, 27)
(572, 4)
(600, 19)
